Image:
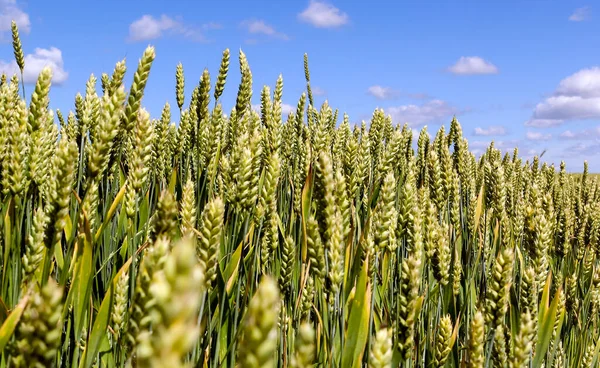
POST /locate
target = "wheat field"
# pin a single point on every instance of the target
(207, 238)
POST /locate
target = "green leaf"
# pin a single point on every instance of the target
(82, 283)
(213, 170)
(545, 326)
(99, 329)
(357, 332)
(595, 357)
(478, 208)
(385, 265)
(306, 196)
(111, 211)
(561, 319)
(545, 301)
(104, 344)
(68, 227)
(58, 255)
(223, 339)
(8, 223)
(232, 270)
(3, 311)
(173, 180)
(124, 247)
(9, 325)
(143, 210)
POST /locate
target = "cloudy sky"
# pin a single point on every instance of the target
(521, 73)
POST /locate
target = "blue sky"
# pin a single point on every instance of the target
(521, 73)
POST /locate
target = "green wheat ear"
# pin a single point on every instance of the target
(442, 348)
(165, 222)
(18, 51)
(118, 316)
(177, 296)
(475, 349)
(34, 251)
(304, 355)
(17, 48)
(523, 342)
(38, 335)
(222, 77)
(179, 87)
(209, 239)
(38, 106)
(188, 208)
(382, 349)
(259, 339)
(137, 87)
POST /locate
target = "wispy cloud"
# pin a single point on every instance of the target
(389, 93)
(493, 130)
(586, 134)
(478, 147)
(382, 93)
(9, 11)
(286, 109)
(318, 91)
(149, 28)
(211, 26)
(537, 136)
(471, 65)
(323, 15)
(433, 111)
(34, 63)
(526, 150)
(580, 14)
(583, 149)
(577, 97)
(259, 27)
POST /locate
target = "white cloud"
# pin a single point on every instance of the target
(415, 115)
(561, 108)
(260, 27)
(212, 25)
(580, 14)
(543, 123)
(318, 91)
(537, 136)
(34, 63)
(491, 130)
(569, 135)
(150, 28)
(9, 11)
(584, 83)
(478, 147)
(505, 146)
(323, 15)
(469, 65)
(382, 93)
(285, 109)
(586, 134)
(388, 93)
(555, 111)
(577, 97)
(582, 149)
